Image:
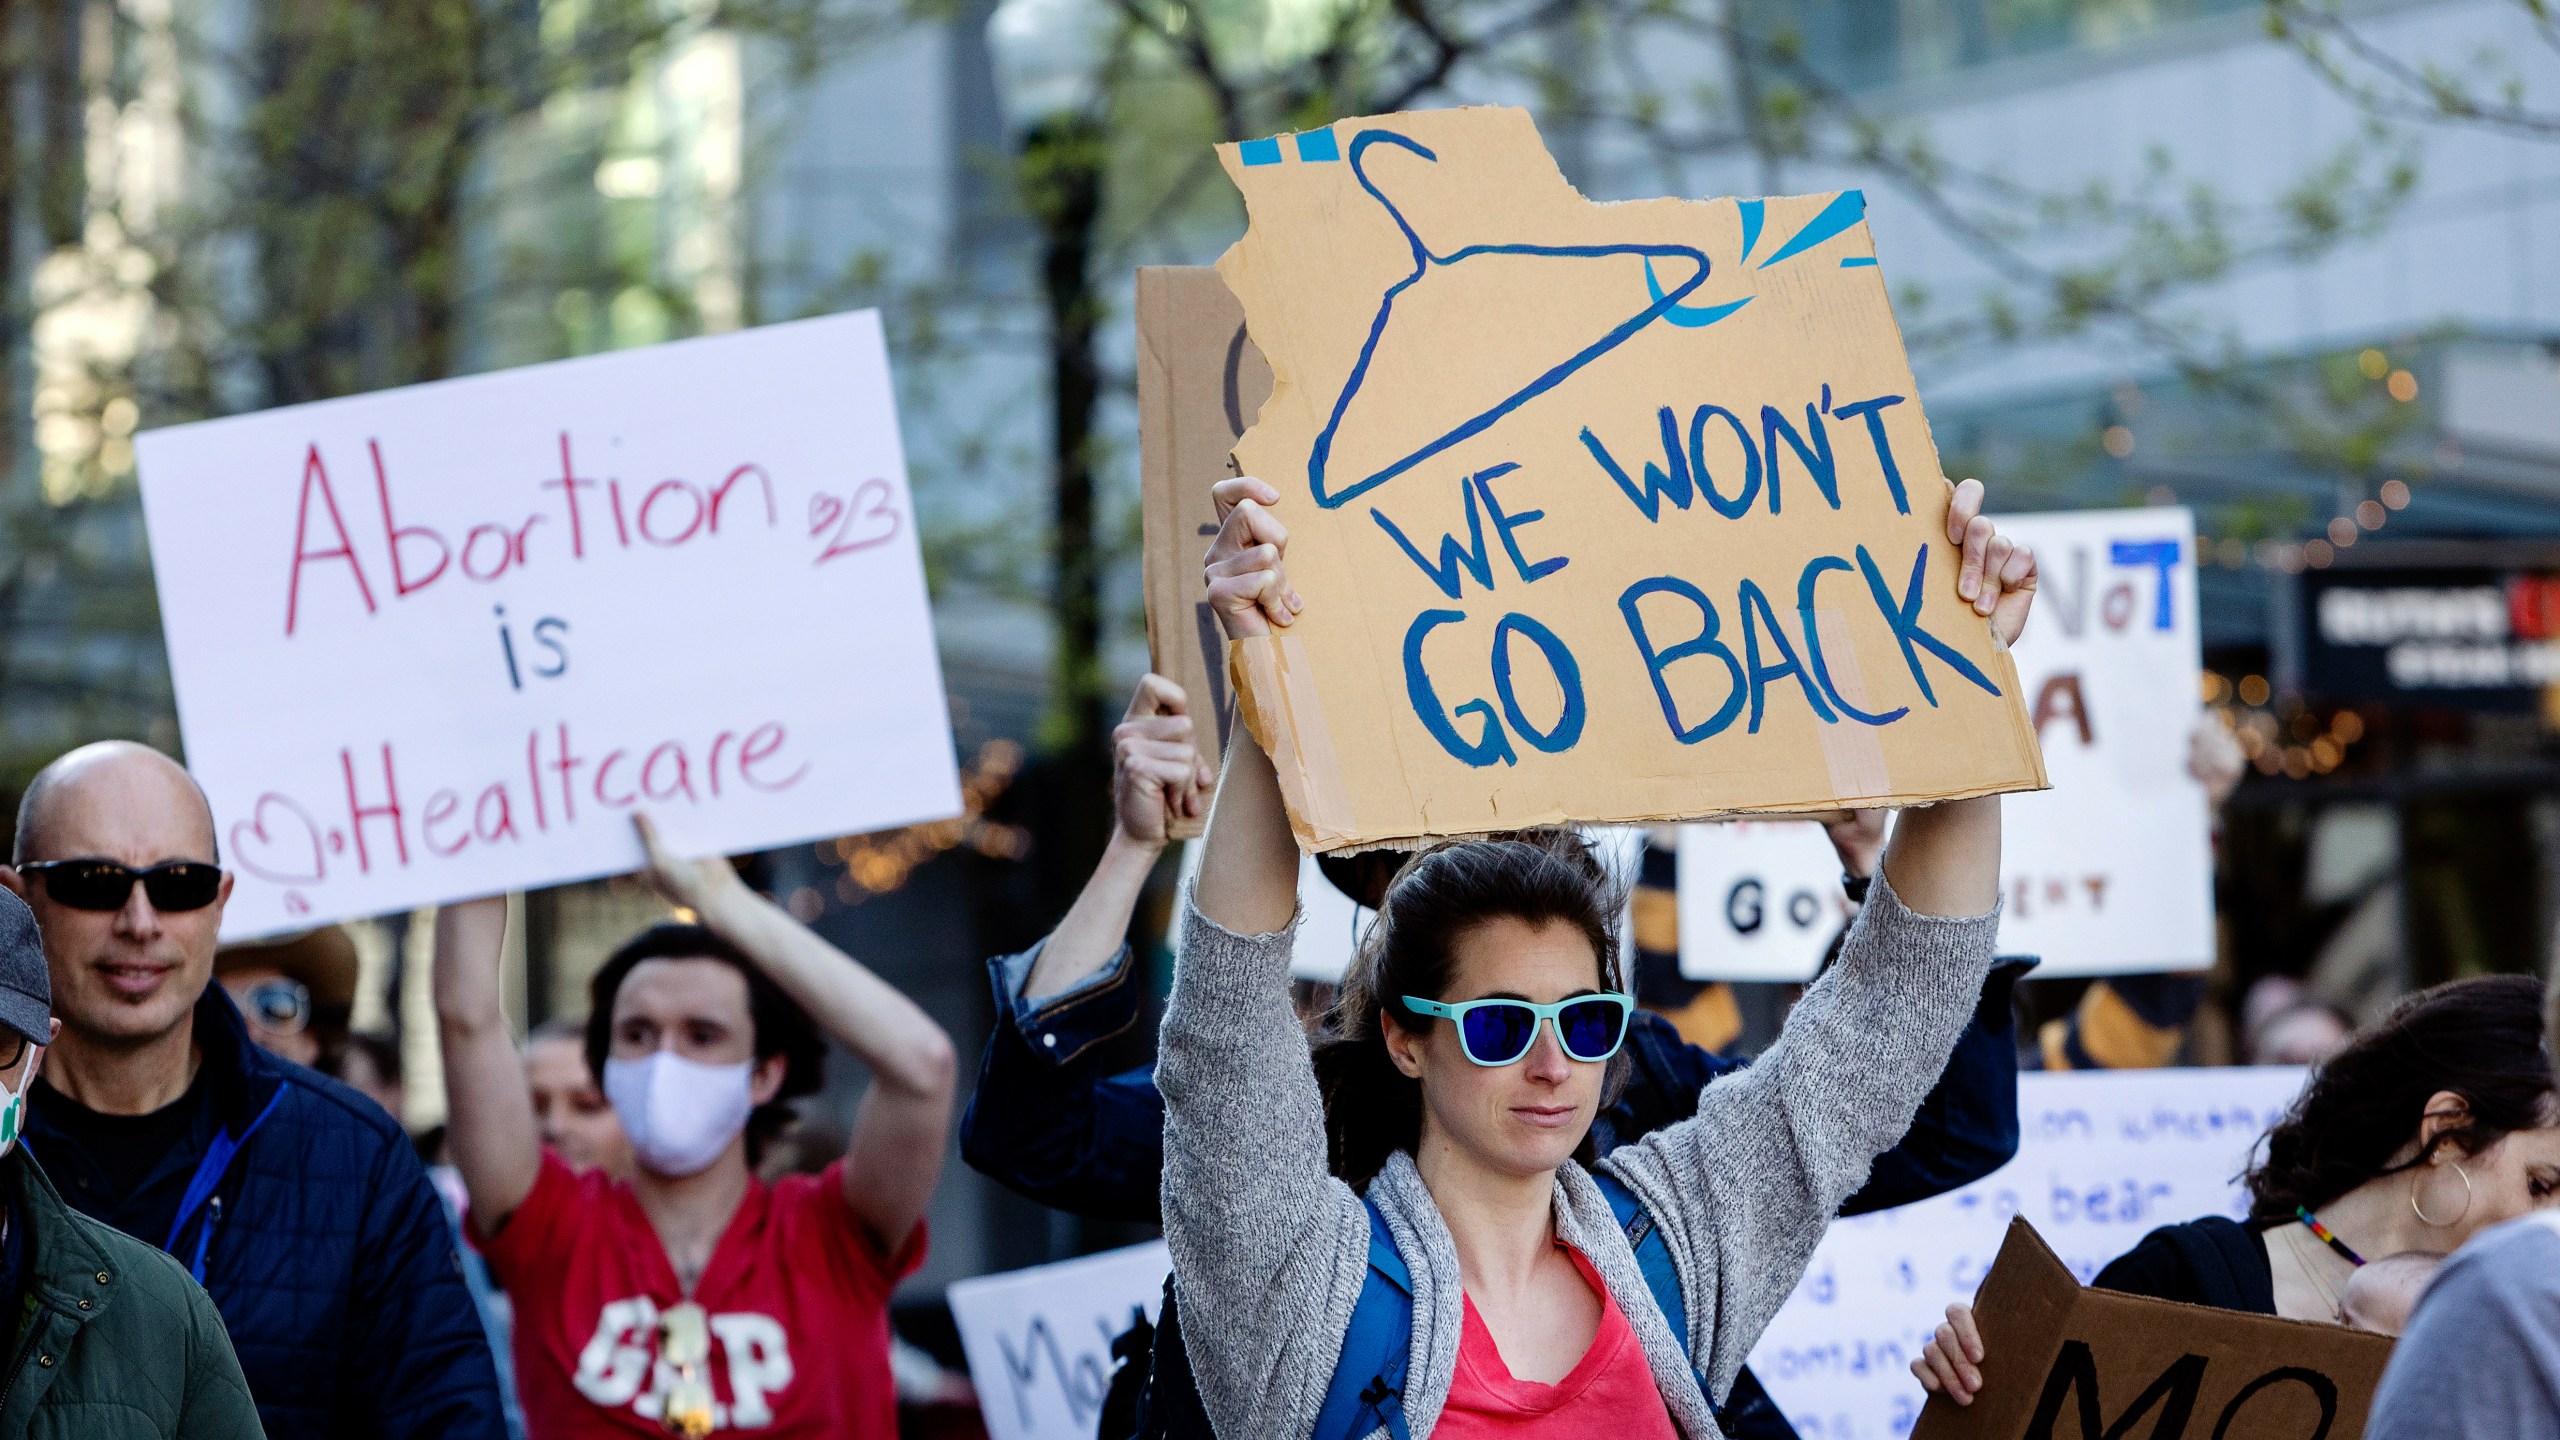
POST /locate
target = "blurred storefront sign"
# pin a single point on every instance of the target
(2484, 636)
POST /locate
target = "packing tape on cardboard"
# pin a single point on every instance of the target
(1275, 689)
(1852, 751)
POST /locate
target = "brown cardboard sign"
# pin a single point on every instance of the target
(1200, 383)
(1602, 513)
(2064, 1363)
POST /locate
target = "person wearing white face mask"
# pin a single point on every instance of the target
(692, 1296)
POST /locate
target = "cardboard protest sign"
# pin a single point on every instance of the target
(1200, 383)
(2112, 869)
(2063, 1363)
(441, 641)
(1039, 1340)
(2104, 1157)
(1759, 899)
(1602, 513)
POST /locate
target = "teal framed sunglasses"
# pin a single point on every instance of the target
(1500, 1032)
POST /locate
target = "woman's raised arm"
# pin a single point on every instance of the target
(1743, 1191)
(1269, 1250)
(1249, 866)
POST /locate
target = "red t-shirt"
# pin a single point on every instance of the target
(798, 1295)
(1610, 1391)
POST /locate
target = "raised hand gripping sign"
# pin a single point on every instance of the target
(441, 641)
(1602, 513)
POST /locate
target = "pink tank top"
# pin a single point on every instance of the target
(1610, 1392)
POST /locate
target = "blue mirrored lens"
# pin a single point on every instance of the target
(1498, 1034)
(1590, 1028)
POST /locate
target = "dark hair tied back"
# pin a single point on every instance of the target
(2480, 1039)
(1546, 876)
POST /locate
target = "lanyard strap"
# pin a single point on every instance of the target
(200, 1186)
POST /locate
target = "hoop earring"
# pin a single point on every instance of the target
(2468, 1195)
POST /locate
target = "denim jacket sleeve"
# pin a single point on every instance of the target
(1046, 1121)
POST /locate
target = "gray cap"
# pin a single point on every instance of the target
(26, 987)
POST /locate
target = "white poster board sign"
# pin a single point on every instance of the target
(1039, 1340)
(441, 641)
(1759, 899)
(2107, 873)
(2111, 870)
(2104, 1158)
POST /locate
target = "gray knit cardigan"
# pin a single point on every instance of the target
(1270, 1250)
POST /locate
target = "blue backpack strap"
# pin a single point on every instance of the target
(1747, 1412)
(1368, 1381)
(1653, 1260)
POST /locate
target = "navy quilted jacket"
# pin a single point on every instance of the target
(313, 1225)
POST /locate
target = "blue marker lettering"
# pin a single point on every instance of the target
(1490, 744)
(1504, 523)
(2162, 557)
(1670, 478)
(1568, 675)
(1730, 509)
(1703, 643)
(1754, 603)
(1905, 620)
(1816, 458)
(1872, 411)
(1473, 559)
(1814, 570)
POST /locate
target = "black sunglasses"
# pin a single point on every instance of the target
(105, 885)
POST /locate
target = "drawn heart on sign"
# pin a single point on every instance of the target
(266, 853)
(824, 511)
(828, 512)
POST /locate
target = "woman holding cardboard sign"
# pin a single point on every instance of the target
(1489, 1283)
(2434, 1125)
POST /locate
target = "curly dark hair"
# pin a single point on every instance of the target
(1371, 1108)
(781, 1026)
(2480, 1039)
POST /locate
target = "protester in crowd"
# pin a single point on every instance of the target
(296, 992)
(2384, 1291)
(570, 1112)
(1515, 1264)
(2432, 1126)
(295, 1201)
(2480, 1358)
(112, 1336)
(369, 1061)
(1050, 1122)
(638, 1302)
(2283, 1023)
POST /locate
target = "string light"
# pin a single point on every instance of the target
(2279, 735)
(878, 864)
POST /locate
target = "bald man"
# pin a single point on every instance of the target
(291, 1198)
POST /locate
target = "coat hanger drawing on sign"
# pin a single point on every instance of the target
(1845, 210)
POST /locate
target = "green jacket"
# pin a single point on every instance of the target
(116, 1342)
